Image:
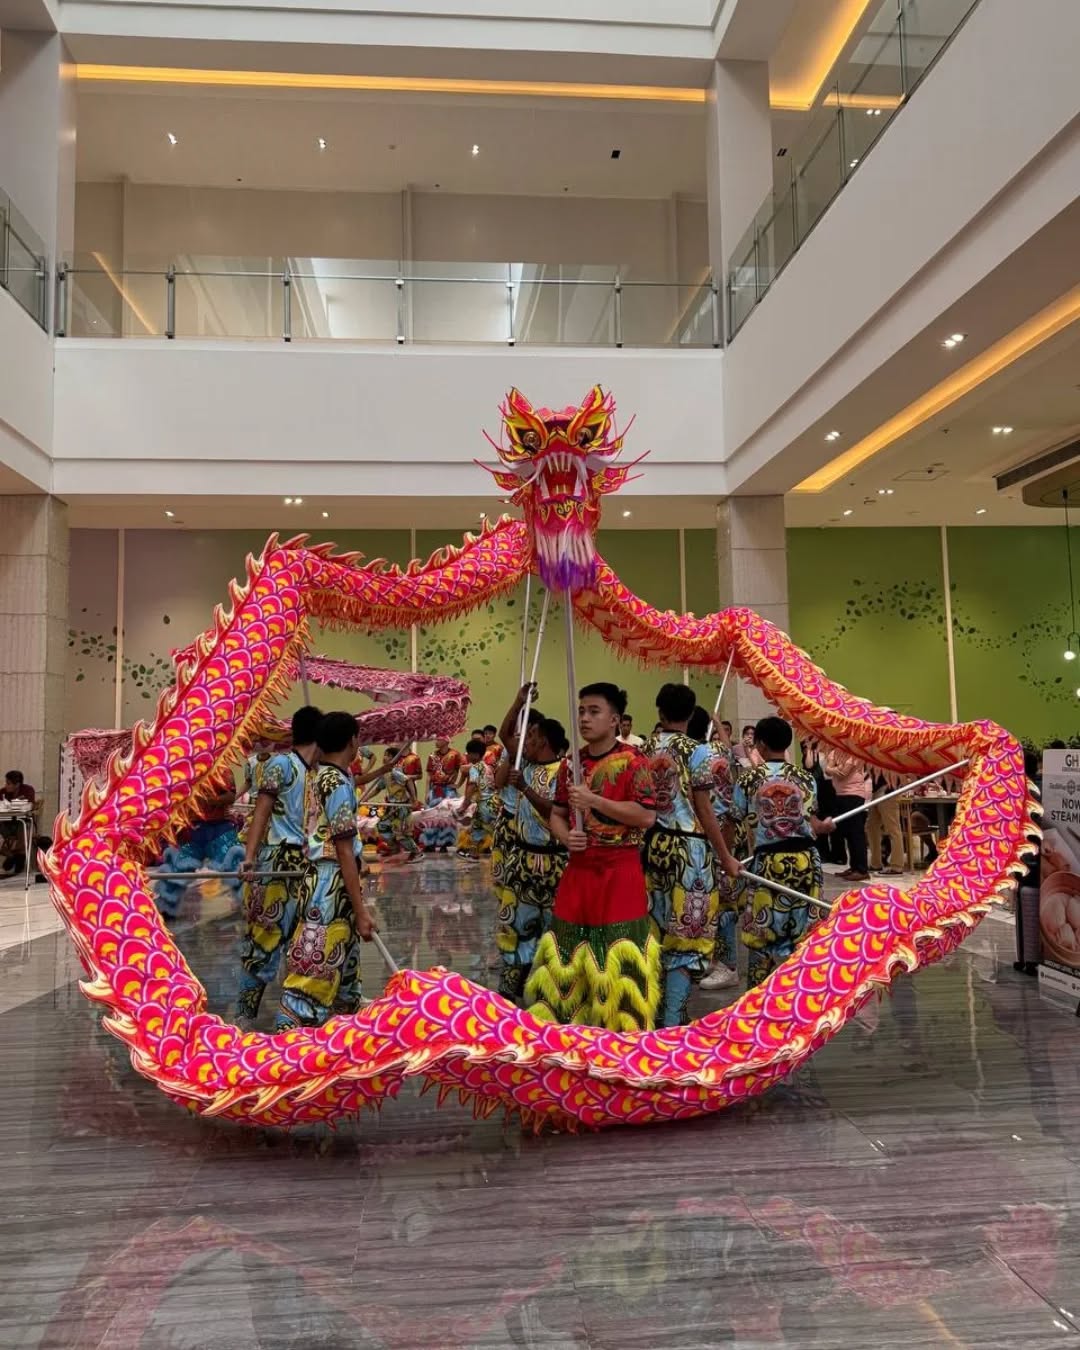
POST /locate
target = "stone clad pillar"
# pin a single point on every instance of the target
(33, 639)
(751, 552)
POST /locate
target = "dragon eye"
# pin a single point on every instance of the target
(531, 440)
(585, 436)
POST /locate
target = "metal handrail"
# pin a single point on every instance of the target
(690, 295)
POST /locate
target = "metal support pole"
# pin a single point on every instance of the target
(223, 876)
(571, 682)
(400, 284)
(902, 39)
(618, 311)
(170, 302)
(391, 965)
(60, 324)
(304, 680)
(532, 680)
(841, 138)
(43, 292)
(525, 628)
(786, 890)
(509, 313)
(286, 305)
(717, 316)
(723, 682)
(900, 791)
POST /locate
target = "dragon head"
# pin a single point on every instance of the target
(556, 467)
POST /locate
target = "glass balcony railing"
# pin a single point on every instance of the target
(903, 41)
(24, 268)
(330, 300)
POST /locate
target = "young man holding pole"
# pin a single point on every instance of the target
(684, 851)
(778, 802)
(276, 842)
(599, 965)
(527, 862)
(323, 970)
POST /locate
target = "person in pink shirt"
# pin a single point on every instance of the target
(849, 777)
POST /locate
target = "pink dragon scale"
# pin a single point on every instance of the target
(452, 1033)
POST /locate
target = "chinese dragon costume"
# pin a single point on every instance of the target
(440, 1026)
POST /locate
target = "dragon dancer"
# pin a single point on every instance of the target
(323, 958)
(397, 781)
(779, 803)
(716, 735)
(475, 837)
(527, 862)
(599, 965)
(681, 852)
(276, 842)
(443, 770)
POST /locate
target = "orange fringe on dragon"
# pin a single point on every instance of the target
(453, 1033)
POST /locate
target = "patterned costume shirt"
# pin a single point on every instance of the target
(443, 770)
(334, 814)
(621, 775)
(680, 766)
(396, 783)
(285, 778)
(776, 800)
(527, 824)
(482, 778)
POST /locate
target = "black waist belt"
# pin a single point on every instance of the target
(798, 843)
(542, 848)
(683, 834)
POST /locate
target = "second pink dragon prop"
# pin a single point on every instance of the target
(441, 1026)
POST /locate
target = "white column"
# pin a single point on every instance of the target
(37, 146)
(739, 153)
(33, 638)
(751, 551)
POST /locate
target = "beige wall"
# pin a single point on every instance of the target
(144, 225)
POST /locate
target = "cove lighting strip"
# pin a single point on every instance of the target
(802, 92)
(278, 79)
(997, 357)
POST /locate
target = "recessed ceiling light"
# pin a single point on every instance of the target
(1002, 431)
(980, 510)
(321, 142)
(476, 150)
(849, 511)
(172, 138)
(953, 340)
(298, 501)
(326, 515)
(855, 161)
(873, 112)
(288, 501)
(627, 515)
(832, 435)
(170, 514)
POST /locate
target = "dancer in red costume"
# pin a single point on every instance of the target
(599, 965)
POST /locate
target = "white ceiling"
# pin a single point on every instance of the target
(944, 472)
(385, 142)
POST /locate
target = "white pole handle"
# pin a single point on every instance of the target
(391, 965)
(723, 683)
(523, 722)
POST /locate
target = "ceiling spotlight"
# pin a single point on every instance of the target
(321, 142)
(849, 511)
(172, 138)
(980, 510)
(288, 501)
(832, 435)
(475, 150)
(170, 514)
(853, 162)
(1002, 431)
(326, 515)
(298, 501)
(953, 340)
(627, 514)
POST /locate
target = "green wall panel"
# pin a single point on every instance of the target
(868, 605)
(1011, 618)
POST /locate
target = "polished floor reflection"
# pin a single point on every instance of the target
(917, 1185)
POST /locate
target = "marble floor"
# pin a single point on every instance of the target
(917, 1185)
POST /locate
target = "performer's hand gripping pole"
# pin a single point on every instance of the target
(523, 724)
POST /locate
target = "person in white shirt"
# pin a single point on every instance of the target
(626, 732)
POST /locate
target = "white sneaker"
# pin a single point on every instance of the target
(720, 978)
